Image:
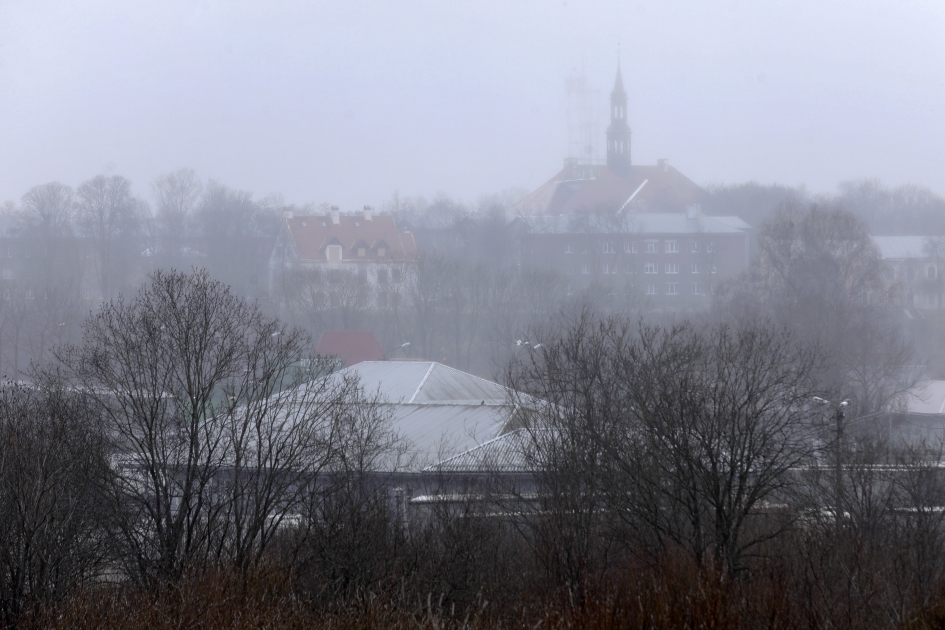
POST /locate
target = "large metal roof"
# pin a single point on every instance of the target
(514, 451)
(426, 382)
(437, 410)
(435, 432)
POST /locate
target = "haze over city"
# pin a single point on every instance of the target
(347, 102)
(439, 315)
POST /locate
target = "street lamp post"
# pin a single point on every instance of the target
(838, 463)
(401, 346)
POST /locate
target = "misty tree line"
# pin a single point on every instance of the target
(67, 250)
(673, 462)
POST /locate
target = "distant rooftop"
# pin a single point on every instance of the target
(904, 247)
(427, 382)
(353, 346)
(438, 410)
(643, 223)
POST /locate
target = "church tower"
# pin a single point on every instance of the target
(618, 133)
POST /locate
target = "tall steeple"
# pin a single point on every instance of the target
(618, 133)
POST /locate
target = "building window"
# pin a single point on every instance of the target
(396, 275)
(713, 269)
(333, 253)
(609, 248)
(381, 252)
(695, 247)
(710, 247)
(672, 288)
(672, 267)
(606, 269)
(630, 248)
(650, 268)
(568, 248)
(381, 275)
(672, 247)
(696, 290)
(585, 268)
(695, 267)
(651, 247)
(651, 289)
(362, 252)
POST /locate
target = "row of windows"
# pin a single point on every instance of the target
(672, 288)
(651, 267)
(651, 247)
(333, 252)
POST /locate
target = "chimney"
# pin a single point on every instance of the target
(693, 211)
(368, 213)
(287, 213)
(335, 215)
(663, 165)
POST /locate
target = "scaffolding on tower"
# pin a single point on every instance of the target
(583, 108)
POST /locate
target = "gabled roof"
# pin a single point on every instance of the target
(354, 346)
(311, 234)
(666, 190)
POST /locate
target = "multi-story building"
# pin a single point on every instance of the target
(915, 266)
(366, 244)
(617, 185)
(671, 260)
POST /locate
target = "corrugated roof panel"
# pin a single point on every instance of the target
(445, 384)
(511, 452)
(426, 382)
(435, 432)
(396, 380)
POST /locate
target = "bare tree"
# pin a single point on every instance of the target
(819, 275)
(111, 217)
(176, 196)
(214, 428)
(683, 432)
(47, 217)
(53, 466)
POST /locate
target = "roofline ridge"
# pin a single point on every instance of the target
(474, 376)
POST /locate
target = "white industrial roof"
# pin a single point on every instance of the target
(927, 397)
(438, 410)
(434, 432)
(426, 382)
(902, 247)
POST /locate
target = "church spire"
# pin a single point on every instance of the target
(618, 133)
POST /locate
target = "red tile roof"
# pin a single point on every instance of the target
(354, 346)
(312, 234)
(666, 190)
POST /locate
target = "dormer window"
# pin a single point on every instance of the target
(381, 252)
(333, 253)
(362, 251)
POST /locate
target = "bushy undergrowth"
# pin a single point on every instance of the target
(666, 591)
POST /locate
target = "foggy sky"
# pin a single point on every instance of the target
(346, 102)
